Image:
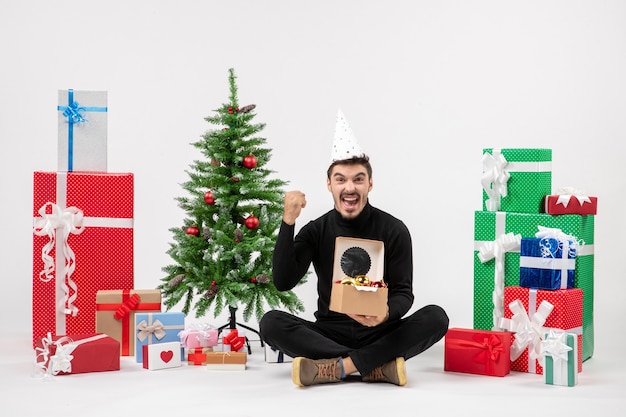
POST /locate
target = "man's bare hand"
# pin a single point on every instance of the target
(369, 321)
(294, 202)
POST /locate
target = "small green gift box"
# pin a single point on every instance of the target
(560, 350)
(516, 180)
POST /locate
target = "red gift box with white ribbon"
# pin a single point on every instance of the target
(529, 313)
(82, 243)
(76, 354)
(570, 201)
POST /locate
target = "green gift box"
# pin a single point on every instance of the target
(516, 180)
(491, 276)
(560, 350)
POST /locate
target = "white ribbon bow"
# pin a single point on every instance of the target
(496, 250)
(61, 361)
(69, 220)
(201, 332)
(494, 179)
(555, 345)
(146, 330)
(528, 330)
(566, 194)
(567, 243)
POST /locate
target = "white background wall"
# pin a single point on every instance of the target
(426, 85)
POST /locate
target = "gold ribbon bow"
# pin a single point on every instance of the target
(146, 330)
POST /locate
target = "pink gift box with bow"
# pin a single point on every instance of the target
(198, 336)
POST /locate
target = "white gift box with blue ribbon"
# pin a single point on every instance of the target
(82, 131)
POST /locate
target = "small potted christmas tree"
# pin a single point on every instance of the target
(223, 253)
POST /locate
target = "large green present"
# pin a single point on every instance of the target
(495, 234)
(516, 180)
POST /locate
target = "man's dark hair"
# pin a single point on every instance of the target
(355, 160)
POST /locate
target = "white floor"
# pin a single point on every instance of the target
(265, 389)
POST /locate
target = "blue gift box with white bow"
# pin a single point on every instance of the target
(547, 263)
(153, 328)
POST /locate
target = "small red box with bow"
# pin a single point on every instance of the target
(481, 352)
(570, 201)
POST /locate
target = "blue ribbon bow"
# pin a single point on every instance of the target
(74, 114)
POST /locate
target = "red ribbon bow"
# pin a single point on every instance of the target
(235, 341)
(127, 306)
(490, 349)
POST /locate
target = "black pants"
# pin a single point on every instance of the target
(368, 347)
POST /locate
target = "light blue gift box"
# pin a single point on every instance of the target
(153, 328)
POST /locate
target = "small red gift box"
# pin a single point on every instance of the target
(570, 202)
(529, 313)
(481, 352)
(75, 354)
(197, 356)
(82, 243)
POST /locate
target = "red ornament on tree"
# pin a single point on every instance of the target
(193, 230)
(249, 161)
(253, 280)
(208, 198)
(230, 110)
(252, 222)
